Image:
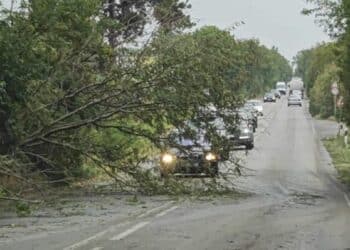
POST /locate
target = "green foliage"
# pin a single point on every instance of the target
(321, 98)
(345, 63)
(334, 16)
(318, 69)
(341, 157)
(262, 67)
(310, 63)
(127, 19)
(70, 101)
(23, 209)
(329, 14)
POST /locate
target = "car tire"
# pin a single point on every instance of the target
(250, 146)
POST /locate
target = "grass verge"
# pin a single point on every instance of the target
(341, 157)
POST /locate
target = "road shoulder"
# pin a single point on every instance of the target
(72, 215)
(323, 130)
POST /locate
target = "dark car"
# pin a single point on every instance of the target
(194, 160)
(269, 97)
(244, 136)
(251, 117)
(190, 155)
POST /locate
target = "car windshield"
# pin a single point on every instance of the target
(187, 141)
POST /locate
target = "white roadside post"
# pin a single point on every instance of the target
(344, 129)
(335, 93)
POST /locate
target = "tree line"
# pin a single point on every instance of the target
(91, 86)
(327, 63)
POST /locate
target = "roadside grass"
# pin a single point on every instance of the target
(341, 157)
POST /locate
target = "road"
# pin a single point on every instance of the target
(296, 204)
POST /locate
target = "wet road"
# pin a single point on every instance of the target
(297, 203)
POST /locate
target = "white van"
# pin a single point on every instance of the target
(281, 87)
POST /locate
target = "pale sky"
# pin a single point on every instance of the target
(273, 22)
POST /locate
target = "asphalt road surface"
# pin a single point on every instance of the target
(297, 203)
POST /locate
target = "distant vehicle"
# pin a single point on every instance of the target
(258, 106)
(191, 156)
(294, 100)
(281, 87)
(296, 87)
(297, 92)
(244, 136)
(269, 97)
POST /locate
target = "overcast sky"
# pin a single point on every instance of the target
(273, 22)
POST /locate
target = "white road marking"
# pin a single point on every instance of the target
(94, 237)
(112, 228)
(347, 199)
(154, 209)
(86, 241)
(130, 231)
(166, 211)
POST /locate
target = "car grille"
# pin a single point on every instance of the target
(192, 157)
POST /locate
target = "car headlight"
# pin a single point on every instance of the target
(210, 157)
(168, 158)
(246, 130)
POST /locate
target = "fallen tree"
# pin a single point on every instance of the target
(77, 94)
